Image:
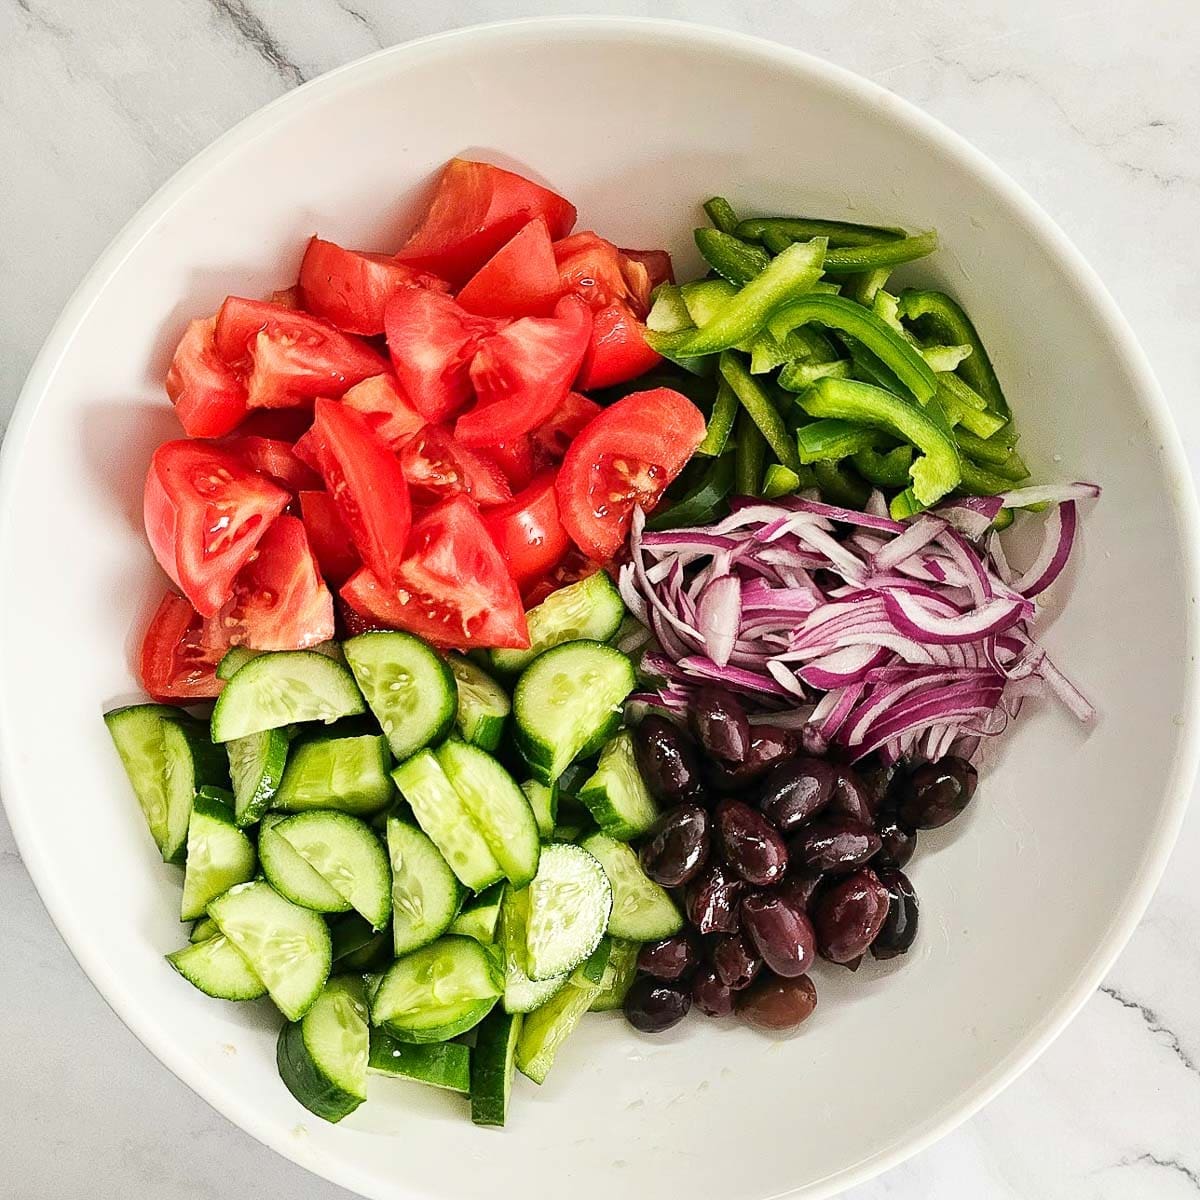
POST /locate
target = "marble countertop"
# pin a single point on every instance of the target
(1094, 108)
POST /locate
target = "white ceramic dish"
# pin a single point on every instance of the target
(1026, 901)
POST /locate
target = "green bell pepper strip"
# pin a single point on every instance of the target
(830, 440)
(796, 376)
(850, 260)
(749, 458)
(783, 481)
(838, 313)
(904, 504)
(811, 345)
(863, 288)
(979, 481)
(889, 470)
(967, 396)
(992, 451)
(775, 241)
(801, 229)
(669, 312)
(702, 504)
(841, 485)
(761, 408)
(1004, 518)
(788, 276)
(946, 321)
(730, 257)
(938, 469)
(720, 212)
(766, 354)
(720, 422)
(704, 298)
(1012, 467)
(981, 424)
(943, 359)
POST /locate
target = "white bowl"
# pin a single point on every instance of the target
(1025, 901)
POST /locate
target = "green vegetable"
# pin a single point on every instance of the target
(761, 408)
(958, 402)
(991, 451)
(720, 212)
(980, 481)
(749, 458)
(889, 470)
(796, 376)
(700, 505)
(840, 485)
(865, 287)
(730, 257)
(850, 260)
(796, 229)
(831, 440)
(782, 481)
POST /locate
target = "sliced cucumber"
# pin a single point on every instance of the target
(348, 934)
(619, 974)
(217, 969)
(408, 685)
(593, 967)
(256, 766)
(437, 992)
(496, 805)
(483, 705)
(544, 802)
(521, 994)
(203, 929)
(641, 910)
(322, 1059)
(439, 1064)
(570, 900)
(286, 946)
(348, 856)
(545, 1030)
(219, 854)
(568, 699)
(374, 955)
(239, 656)
(283, 687)
(351, 774)
(442, 814)
(492, 1063)
(290, 875)
(615, 795)
(480, 916)
(591, 609)
(425, 893)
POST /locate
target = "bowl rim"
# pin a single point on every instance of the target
(921, 125)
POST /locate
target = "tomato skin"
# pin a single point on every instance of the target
(593, 268)
(626, 456)
(618, 351)
(328, 536)
(209, 398)
(365, 480)
(475, 209)
(551, 440)
(386, 410)
(522, 373)
(515, 460)
(275, 459)
(519, 280)
(432, 342)
(437, 468)
(528, 530)
(176, 662)
(351, 288)
(659, 268)
(205, 512)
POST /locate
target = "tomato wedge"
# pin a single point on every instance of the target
(432, 342)
(475, 209)
(177, 661)
(283, 424)
(205, 511)
(552, 440)
(364, 478)
(276, 459)
(657, 263)
(328, 537)
(289, 358)
(618, 350)
(387, 412)
(593, 268)
(351, 288)
(572, 567)
(515, 459)
(528, 530)
(209, 397)
(453, 590)
(625, 457)
(522, 373)
(436, 468)
(519, 280)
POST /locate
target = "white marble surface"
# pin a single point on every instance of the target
(1094, 107)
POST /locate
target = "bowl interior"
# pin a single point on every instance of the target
(1023, 900)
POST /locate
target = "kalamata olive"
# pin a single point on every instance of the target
(678, 846)
(799, 886)
(735, 960)
(852, 797)
(652, 1005)
(719, 722)
(900, 926)
(813, 742)
(666, 759)
(712, 997)
(670, 958)
(777, 1005)
(797, 791)
(879, 778)
(751, 844)
(769, 746)
(712, 900)
(898, 840)
(835, 844)
(781, 932)
(853, 964)
(936, 793)
(849, 914)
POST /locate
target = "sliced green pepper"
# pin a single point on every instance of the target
(937, 470)
(800, 229)
(1004, 518)
(750, 457)
(766, 353)
(904, 504)
(761, 408)
(982, 424)
(979, 481)
(888, 470)
(796, 376)
(810, 344)
(720, 422)
(841, 485)
(720, 212)
(865, 287)
(836, 312)
(849, 260)
(990, 451)
(830, 440)
(702, 503)
(669, 312)
(704, 298)
(730, 257)
(775, 241)
(1011, 468)
(783, 481)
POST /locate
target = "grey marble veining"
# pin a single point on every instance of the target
(1094, 107)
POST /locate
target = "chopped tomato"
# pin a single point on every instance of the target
(514, 458)
(289, 358)
(528, 530)
(287, 298)
(328, 536)
(625, 457)
(209, 397)
(592, 267)
(285, 424)
(177, 661)
(351, 288)
(522, 373)
(387, 412)
(618, 351)
(436, 468)
(657, 263)
(453, 589)
(350, 622)
(432, 342)
(572, 567)
(205, 511)
(365, 480)
(275, 459)
(305, 449)
(551, 440)
(519, 280)
(279, 600)
(475, 209)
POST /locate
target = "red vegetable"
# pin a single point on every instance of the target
(276, 459)
(520, 280)
(176, 662)
(328, 536)
(528, 530)
(552, 440)
(387, 412)
(209, 397)
(618, 350)
(594, 269)
(436, 468)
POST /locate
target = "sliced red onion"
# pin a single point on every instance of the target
(913, 617)
(700, 667)
(972, 516)
(1049, 493)
(849, 665)
(1058, 536)
(919, 534)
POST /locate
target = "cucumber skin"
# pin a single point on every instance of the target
(545, 1030)
(442, 1065)
(306, 1081)
(492, 1064)
(251, 808)
(622, 817)
(442, 1033)
(619, 974)
(250, 987)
